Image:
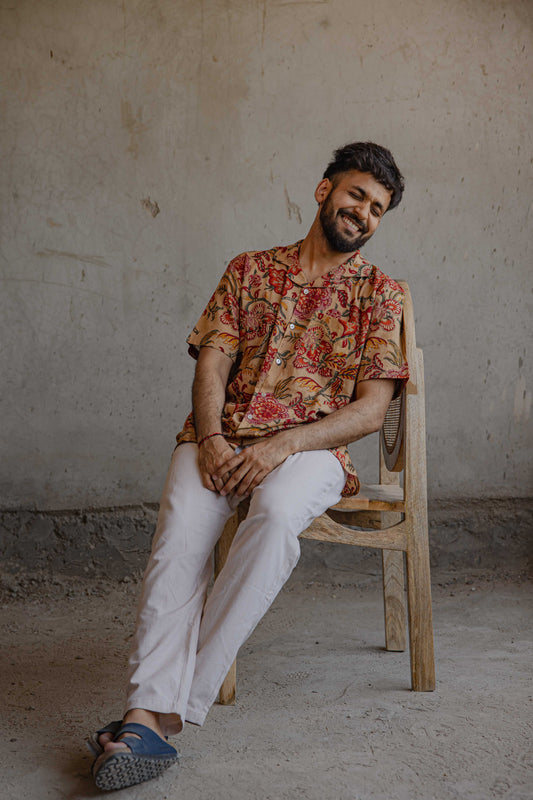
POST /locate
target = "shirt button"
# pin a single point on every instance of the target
(306, 291)
(278, 360)
(291, 326)
(249, 416)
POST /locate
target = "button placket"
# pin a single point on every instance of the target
(284, 313)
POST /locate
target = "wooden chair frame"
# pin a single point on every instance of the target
(397, 517)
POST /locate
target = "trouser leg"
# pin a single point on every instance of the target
(190, 521)
(263, 554)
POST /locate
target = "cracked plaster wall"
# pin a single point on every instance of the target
(145, 142)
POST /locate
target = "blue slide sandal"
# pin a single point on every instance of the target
(147, 758)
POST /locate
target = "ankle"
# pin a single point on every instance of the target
(144, 717)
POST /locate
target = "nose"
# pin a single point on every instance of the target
(362, 210)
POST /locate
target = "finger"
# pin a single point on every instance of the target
(220, 479)
(249, 482)
(207, 482)
(258, 481)
(235, 479)
(225, 478)
(229, 464)
(218, 482)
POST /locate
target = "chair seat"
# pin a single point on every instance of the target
(374, 497)
(344, 523)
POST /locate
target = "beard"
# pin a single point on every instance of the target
(335, 232)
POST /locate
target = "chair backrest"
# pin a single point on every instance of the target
(392, 434)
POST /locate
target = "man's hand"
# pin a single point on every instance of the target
(243, 472)
(213, 458)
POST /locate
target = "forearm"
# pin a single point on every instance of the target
(208, 396)
(338, 428)
(348, 424)
(209, 391)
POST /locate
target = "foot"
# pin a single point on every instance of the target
(144, 754)
(104, 739)
(148, 718)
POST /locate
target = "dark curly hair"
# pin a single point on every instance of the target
(372, 158)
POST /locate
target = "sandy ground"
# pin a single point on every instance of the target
(323, 711)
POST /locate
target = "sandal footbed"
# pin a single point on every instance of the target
(120, 770)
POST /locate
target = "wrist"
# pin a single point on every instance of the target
(288, 442)
(208, 436)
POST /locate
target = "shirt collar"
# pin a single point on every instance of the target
(353, 268)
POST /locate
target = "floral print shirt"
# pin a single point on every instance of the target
(298, 347)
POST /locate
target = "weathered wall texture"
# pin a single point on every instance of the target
(145, 142)
(474, 537)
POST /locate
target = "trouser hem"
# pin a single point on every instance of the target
(196, 717)
(171, 722)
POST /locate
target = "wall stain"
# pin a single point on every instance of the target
(293, 209)
(151, 206)
(522, 401)
(134, 125)
(98, 260)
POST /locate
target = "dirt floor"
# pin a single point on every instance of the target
(323, 711)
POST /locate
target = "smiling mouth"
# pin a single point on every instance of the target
(352, 226)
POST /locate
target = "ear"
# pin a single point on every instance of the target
(322, 190)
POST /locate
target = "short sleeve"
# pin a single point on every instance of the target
(382, 354)
(218, 327)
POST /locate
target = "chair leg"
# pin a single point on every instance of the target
(419, 609)
(418, 577)
(394, 599)
(226, 695)
(393, 572)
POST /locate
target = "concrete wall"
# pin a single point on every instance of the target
(145, 142)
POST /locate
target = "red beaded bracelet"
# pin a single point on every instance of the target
(209, 436)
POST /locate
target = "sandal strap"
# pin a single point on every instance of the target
(111, 727)
(150, 744)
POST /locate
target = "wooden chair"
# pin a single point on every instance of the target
(395, 511)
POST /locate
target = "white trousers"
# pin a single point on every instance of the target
(184, 641)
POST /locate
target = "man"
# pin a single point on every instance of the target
(298, 354)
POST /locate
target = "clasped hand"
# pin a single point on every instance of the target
(227, 472)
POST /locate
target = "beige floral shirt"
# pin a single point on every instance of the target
(298, 347)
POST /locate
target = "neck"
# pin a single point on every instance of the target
(316, 256)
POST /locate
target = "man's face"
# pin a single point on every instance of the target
(352, 209)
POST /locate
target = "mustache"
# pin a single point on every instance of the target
(363, 228)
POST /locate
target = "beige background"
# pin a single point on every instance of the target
(145, 142)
